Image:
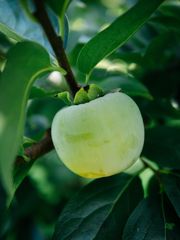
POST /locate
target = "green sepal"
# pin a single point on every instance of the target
(87, 94)
(65, 97)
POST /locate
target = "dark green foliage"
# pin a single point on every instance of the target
(162, 146)
(154, 218)
(100, 210)
(172, 187)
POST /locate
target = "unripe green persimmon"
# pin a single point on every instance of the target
(99, 138)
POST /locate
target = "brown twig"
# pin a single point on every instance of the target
(56, 44)
(37, 149)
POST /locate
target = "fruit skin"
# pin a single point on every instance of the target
(99, 138)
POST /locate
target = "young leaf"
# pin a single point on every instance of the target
(128, 85)
(26, 61)
(65, 31)
(154, 217)
(100, 210)
(172, 187)
(107, 41)
(162, 146)
(58, 6)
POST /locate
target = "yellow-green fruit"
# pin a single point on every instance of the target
(99, 138)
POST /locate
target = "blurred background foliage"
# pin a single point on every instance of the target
(151, 57)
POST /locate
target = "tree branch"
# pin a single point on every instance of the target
(37, 149)
(56, 44)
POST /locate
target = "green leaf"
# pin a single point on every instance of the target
(162, 146)
(150, 220)
(171, 8)
(65, 97)
(87, 94)
(115, 35)
(167, 21)
(4, 219)
(19, 173)
(153, 186)
(100, 210)
(130, 57)
(26, 61)
(158, 44)
(128, 85)
(11, 33)
(37, 92)
(58, 6)
(172, 187)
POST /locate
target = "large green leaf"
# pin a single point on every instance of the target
(26, 61)
(172, 187)
(100, 210)
(129, 85)
(153, 218)
(115, 35)
(162, 146)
